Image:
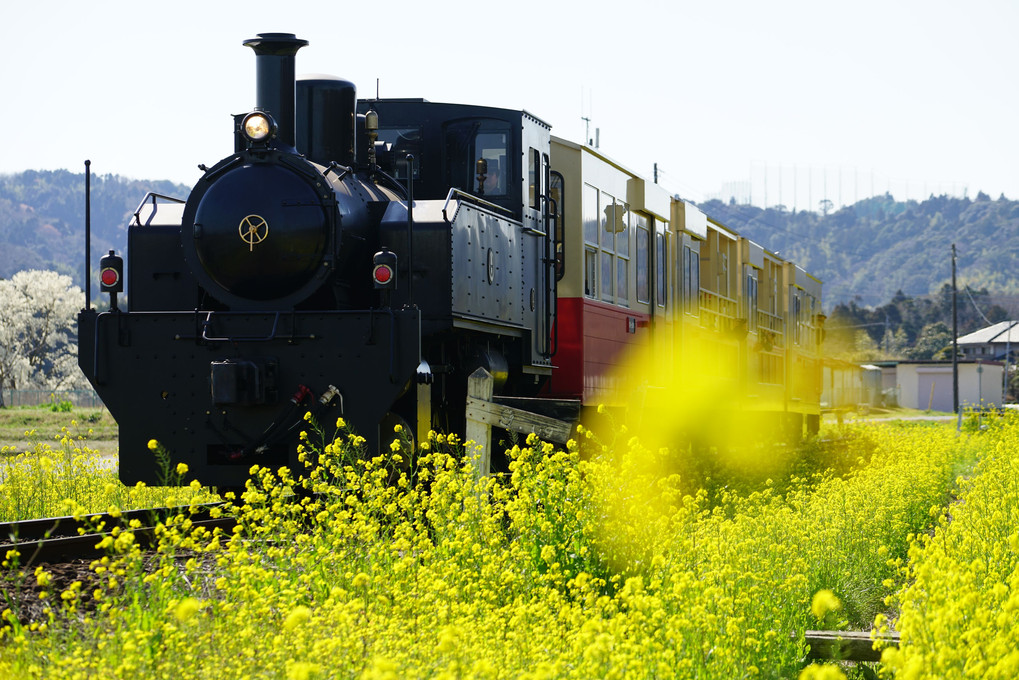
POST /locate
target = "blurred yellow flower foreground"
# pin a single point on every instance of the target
(602, 565)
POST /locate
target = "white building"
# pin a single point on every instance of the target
(927, 385)
(992, 342)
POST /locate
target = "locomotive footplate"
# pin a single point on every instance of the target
(223, 391)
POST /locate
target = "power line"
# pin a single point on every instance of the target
(973, 302)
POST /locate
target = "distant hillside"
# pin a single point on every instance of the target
(866, 253)
(42, 218)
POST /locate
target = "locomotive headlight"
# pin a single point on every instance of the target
(258, 126)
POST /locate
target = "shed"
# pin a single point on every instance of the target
(927, 385)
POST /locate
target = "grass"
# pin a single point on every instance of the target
(23, 426)
(56, 463)
(881, 413)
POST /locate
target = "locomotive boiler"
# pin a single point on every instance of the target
(330, 265)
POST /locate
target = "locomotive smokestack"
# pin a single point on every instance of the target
(274, 65)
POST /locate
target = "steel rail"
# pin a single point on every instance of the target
(56, 539)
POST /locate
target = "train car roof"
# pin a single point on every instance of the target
(597, 153)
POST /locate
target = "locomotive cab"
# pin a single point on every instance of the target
(482, 241)
(498, 155)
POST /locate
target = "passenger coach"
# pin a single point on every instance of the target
(643, 270)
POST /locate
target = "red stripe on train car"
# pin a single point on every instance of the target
(568, 377)
(592, 339)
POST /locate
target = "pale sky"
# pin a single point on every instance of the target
(908, 95)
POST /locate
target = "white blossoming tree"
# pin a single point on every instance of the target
(38, 332)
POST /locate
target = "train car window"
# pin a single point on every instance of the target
(774, 293)
(808, 334)
(797, 312)
(691, 280)
(643, 257)
(534, 177)
(622, 280)
(396, 144)
(607, 234)
(622, 253)
(622, 229)
(555, 192)
(606, 276)
(606, 246)
(750, 296)
(723, 268)
(661, 273)
(590, 271)
(590, 199)
(815, 332)
(771, 271)
(467, 143)
(590, 208)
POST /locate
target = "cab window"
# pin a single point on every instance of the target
(397, 143)
(478, 156)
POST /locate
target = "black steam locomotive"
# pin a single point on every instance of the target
(329, 263)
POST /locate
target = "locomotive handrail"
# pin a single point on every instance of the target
(152, 195)
(550, 344)
(471, 198)
(253, 338)
(394, 184)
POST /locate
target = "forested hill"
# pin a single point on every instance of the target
(865, 253)
(869, 251)
(42, 218)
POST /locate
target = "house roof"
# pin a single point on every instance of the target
(999, 333)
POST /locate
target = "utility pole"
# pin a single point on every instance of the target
(1008, 361)
(955, 341)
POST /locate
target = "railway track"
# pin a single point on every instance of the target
(64, 539)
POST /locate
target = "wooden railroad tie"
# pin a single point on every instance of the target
(847, 645)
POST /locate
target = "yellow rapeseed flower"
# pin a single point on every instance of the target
(297, 616)
(42, 577)
(186, 608)
(821, 672)
(447, 640)
(824, 601)
(302, 670)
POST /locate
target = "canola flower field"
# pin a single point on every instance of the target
(594, 560)
(65, 476)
